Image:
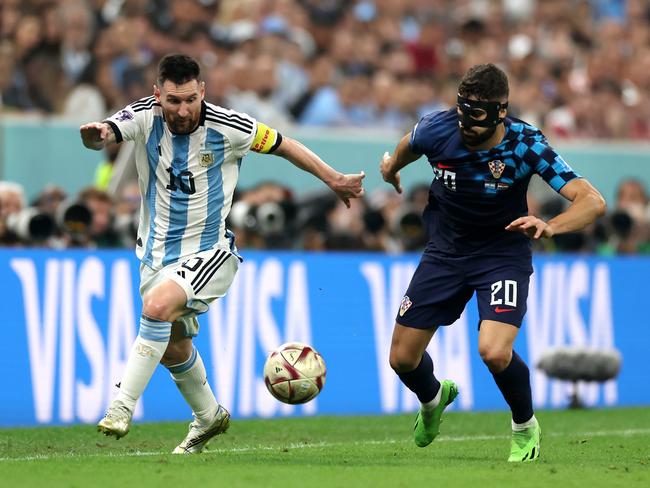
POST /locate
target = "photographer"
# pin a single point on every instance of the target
(101, 233)
(264, 217)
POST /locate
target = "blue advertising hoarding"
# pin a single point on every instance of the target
(71, 316)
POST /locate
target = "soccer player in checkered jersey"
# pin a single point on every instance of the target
(479, 241)
(188, 154)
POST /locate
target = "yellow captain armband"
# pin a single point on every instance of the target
(266, 139)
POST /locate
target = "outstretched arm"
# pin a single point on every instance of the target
(587, 204)
(346, 186)
(390, 166)
(96, 135)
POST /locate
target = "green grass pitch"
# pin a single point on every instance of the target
(581, 448)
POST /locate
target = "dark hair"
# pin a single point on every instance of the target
(485, 82)
(178, 68)
(92, 193)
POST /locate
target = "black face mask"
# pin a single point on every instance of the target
(477, 113)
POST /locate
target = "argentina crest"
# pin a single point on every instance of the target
(206, 158)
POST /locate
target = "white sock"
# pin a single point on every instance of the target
(430, 406)
(148, 348)
(523, 426)
(192, 381)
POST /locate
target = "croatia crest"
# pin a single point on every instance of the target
(496, 168)
(405, 305)
(206, 158)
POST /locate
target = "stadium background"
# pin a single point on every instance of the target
(347, 78)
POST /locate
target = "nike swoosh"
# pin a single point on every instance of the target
(501, 310)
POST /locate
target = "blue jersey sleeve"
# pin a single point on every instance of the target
(547, 163)
(429, 132)
(416, 138)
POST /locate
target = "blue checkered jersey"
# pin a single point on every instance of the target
(475, 194)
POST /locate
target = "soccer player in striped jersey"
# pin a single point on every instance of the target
(188, 154)
(479, 241)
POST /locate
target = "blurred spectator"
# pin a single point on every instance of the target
(630, 221)
(78, 31)
(50, 199)
(264, 217)
(319, 104)
(12, 199)
(259, 100)
(104, 170)
(127, 212)
(101, 232)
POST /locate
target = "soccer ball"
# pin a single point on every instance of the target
(294, 373)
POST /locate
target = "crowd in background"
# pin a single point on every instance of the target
(577, 69)
(270, 216)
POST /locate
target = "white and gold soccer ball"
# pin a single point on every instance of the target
(294, 373)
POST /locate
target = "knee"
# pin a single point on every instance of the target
(157, 308)
(496, 359)
(402, 361)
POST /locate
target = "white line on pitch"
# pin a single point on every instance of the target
(442, 438)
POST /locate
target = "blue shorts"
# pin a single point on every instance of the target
(442, 285)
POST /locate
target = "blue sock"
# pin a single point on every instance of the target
(421, 380)
(514, 383)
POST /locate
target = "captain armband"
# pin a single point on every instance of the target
(266, 139)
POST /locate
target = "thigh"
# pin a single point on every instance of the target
(436, 295)
(496, 336)
(204, 276)
(501, 292)
(163, 297)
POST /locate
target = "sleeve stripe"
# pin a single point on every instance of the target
(231, 117)
(229, 114)
(143, 101)
(146, 107)
(246, 130)
(236, 116)
(116, 130)
(248, 125)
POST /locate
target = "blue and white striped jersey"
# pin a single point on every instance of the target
(186, 181)
(475, 194)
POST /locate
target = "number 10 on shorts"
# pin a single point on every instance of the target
(506, 289)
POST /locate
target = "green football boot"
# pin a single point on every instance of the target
(524, 445)
(427, 424)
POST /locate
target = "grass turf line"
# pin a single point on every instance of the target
(579, 448)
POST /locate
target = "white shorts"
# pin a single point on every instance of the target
(204, 277)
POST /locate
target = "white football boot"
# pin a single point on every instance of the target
(199, 434)
(116, 422)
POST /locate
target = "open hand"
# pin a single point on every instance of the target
(388, 174)
(532, 226)
(349, 186)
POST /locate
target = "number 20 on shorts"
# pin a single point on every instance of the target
(507, 289)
